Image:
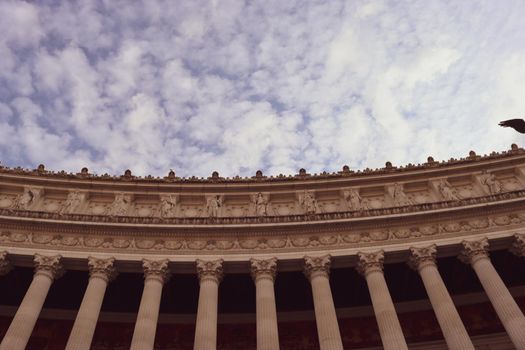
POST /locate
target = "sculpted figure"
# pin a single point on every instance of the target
(213, 205)
(120, 205)
(28, 197)
(447, 192)
(398, 195)
(490, 183)
(260, 204)
(168, 205)
(73, 200)
(309, 203)
(354, 199)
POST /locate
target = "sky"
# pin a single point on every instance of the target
(237, 86)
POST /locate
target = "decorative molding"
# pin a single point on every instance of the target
(317, 266)
(210, 269)
(473, 251)
(263, 268)
(370, 262)
(49, 266)
(156, 269)
(102, 268)
(422, 256)
(5, 264)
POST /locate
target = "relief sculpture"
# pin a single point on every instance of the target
(214, 206)
(27, 199)
(447, 192)
(398, 196)
(354, 200)
(260, 204)
(168, 205)
(72, 203)
(308, 202)
(120, 205)
(489, 183)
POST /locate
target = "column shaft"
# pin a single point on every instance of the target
(386, 316)
(325, 316)
(267, 333)
(21, 327)
(451, 325)
(146, 325)
(508, 311)
(206, 328)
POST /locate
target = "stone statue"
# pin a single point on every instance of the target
(489, 182)
(446, 191)
(354, 199)
(27, 198)
(309, 203)
(168, 205)
(213, 205)
(73, 201)
(398, 195)
(260, 204)
(120, 205)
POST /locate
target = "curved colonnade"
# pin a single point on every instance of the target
(261, 226)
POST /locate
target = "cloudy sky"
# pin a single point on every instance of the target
(236, 86)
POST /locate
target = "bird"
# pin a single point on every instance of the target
(516, 124)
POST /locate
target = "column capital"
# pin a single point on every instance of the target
(5, 265)
(102, 268)
(317, 265)
(474, 250)
(210, 269)
(156, 269)
(518, 246)
(49, 266)
(263, 268)
(422, 256)
(370, 262)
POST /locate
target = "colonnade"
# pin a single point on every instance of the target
(263, 271)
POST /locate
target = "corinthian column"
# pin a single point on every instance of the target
(263, 273)
(5, 265)
(371, 267)
(317, 270)
(518, 246)
(47, 268)
(476, 254)
(156, 273)
(424, 261)
(101, 271)
(210, 275)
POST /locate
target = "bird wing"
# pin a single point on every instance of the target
(516, 124)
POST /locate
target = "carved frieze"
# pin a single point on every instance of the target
(28, 198)
(121, 204)
(489, 183)
(260, 204)
(214, 205)
(354, 200)
(73, 202)
(397, 196)
(168, 205)
(308, 202)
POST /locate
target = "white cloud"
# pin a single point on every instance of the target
(238, 86)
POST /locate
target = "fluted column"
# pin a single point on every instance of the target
(5, 265)
(317, 270)
(210, 275)
(263, 273)
(371, 267)
(476, 254)
(423, 260)
(47, 268)
(156, 273)
(101, 271)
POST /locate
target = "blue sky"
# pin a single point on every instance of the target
(236, 86)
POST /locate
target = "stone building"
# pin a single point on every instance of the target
(427, 256)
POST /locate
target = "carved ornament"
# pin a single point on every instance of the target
(518, 246)
(5, 265)
(370, 262)
(49, 266)
(210, 269)
(317, 266)
(156, 269)
(263, 268)
(473, 251)
(422, 256)
(102, 268)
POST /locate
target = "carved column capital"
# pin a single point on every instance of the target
(49, 266)
(156, 269)
(264, 268)
(518, 246)
(474, 250)
(314, 266)
(102, 268)
(5, 265)
(422, 256)
(370, 262)
(210, 269)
